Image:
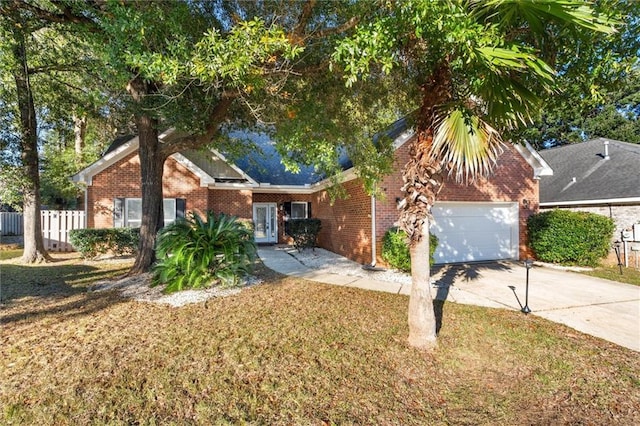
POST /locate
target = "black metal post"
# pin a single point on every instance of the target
(616, 247)
(528, 264)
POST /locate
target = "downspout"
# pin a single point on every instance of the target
(86, 207)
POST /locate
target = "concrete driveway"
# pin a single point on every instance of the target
(602, 308)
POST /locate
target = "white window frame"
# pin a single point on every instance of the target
(137, 223)
(304, 206)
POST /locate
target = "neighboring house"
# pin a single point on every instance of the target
(482, 221)
(599, 176)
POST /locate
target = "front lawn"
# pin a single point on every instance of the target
(290, 352)
(10, 254)
(612, 272)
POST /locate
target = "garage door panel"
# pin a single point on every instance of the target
(475, 231)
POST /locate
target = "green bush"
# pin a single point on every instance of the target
(395, 249)
(93, 242)
(304, 232)
(570, 238)
(193, 253)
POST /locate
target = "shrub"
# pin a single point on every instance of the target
(395, 249)
(567, 237)
(93, 242)
(193, 253)
(304, 232)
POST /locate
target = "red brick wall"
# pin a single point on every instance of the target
(122, 180)
(346, 226)
(231, 201)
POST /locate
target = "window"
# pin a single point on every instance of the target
(133, 212)
(169, 208)
(299, 210)
(127, 212)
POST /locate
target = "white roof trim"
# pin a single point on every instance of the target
(403, 138)
(86, 175)
(540, 167)
(604, 201)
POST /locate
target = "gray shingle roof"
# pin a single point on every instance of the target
(581, 172)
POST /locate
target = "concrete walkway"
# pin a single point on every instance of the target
(601, 308)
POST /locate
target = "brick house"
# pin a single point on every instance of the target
(597, 176)
(482, 221)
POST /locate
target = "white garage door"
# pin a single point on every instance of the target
(471, 232)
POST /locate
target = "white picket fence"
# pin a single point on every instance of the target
(56, 225)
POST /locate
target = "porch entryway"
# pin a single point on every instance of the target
(265, 220)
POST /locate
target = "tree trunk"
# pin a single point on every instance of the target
(34, 250)
(422, 319)
(151, 169)
(423, 179)
(79, 133)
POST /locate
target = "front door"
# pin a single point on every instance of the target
(265, 222)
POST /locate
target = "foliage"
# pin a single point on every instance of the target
(304, 232)
(195, 253)
(94, 242)
(567, 237)
(395, 249)
(602, 102)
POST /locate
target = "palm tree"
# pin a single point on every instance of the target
(480, 67)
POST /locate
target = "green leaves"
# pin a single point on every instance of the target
(243, 56)
(570, 238)
(468, 145)
(371, 44)
(196, 253)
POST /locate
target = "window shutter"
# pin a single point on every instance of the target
(287, 208)
(181, 207)
(309, 209)
(118, 212)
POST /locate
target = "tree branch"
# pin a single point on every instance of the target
(351, 23)
(196, 141)
(65, 16)
(298, 31)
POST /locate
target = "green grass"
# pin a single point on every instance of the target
(10, 254)
(629, 275)
(290, 352)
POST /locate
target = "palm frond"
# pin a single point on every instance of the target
(537, 13)
(467, 145)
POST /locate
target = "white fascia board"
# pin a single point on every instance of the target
(205, 178)
(232, 186)
(346, 176)
(234, 167)
(605, 201)
(284, 189)
(540, 167)
(86, 175)
(403, 138)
